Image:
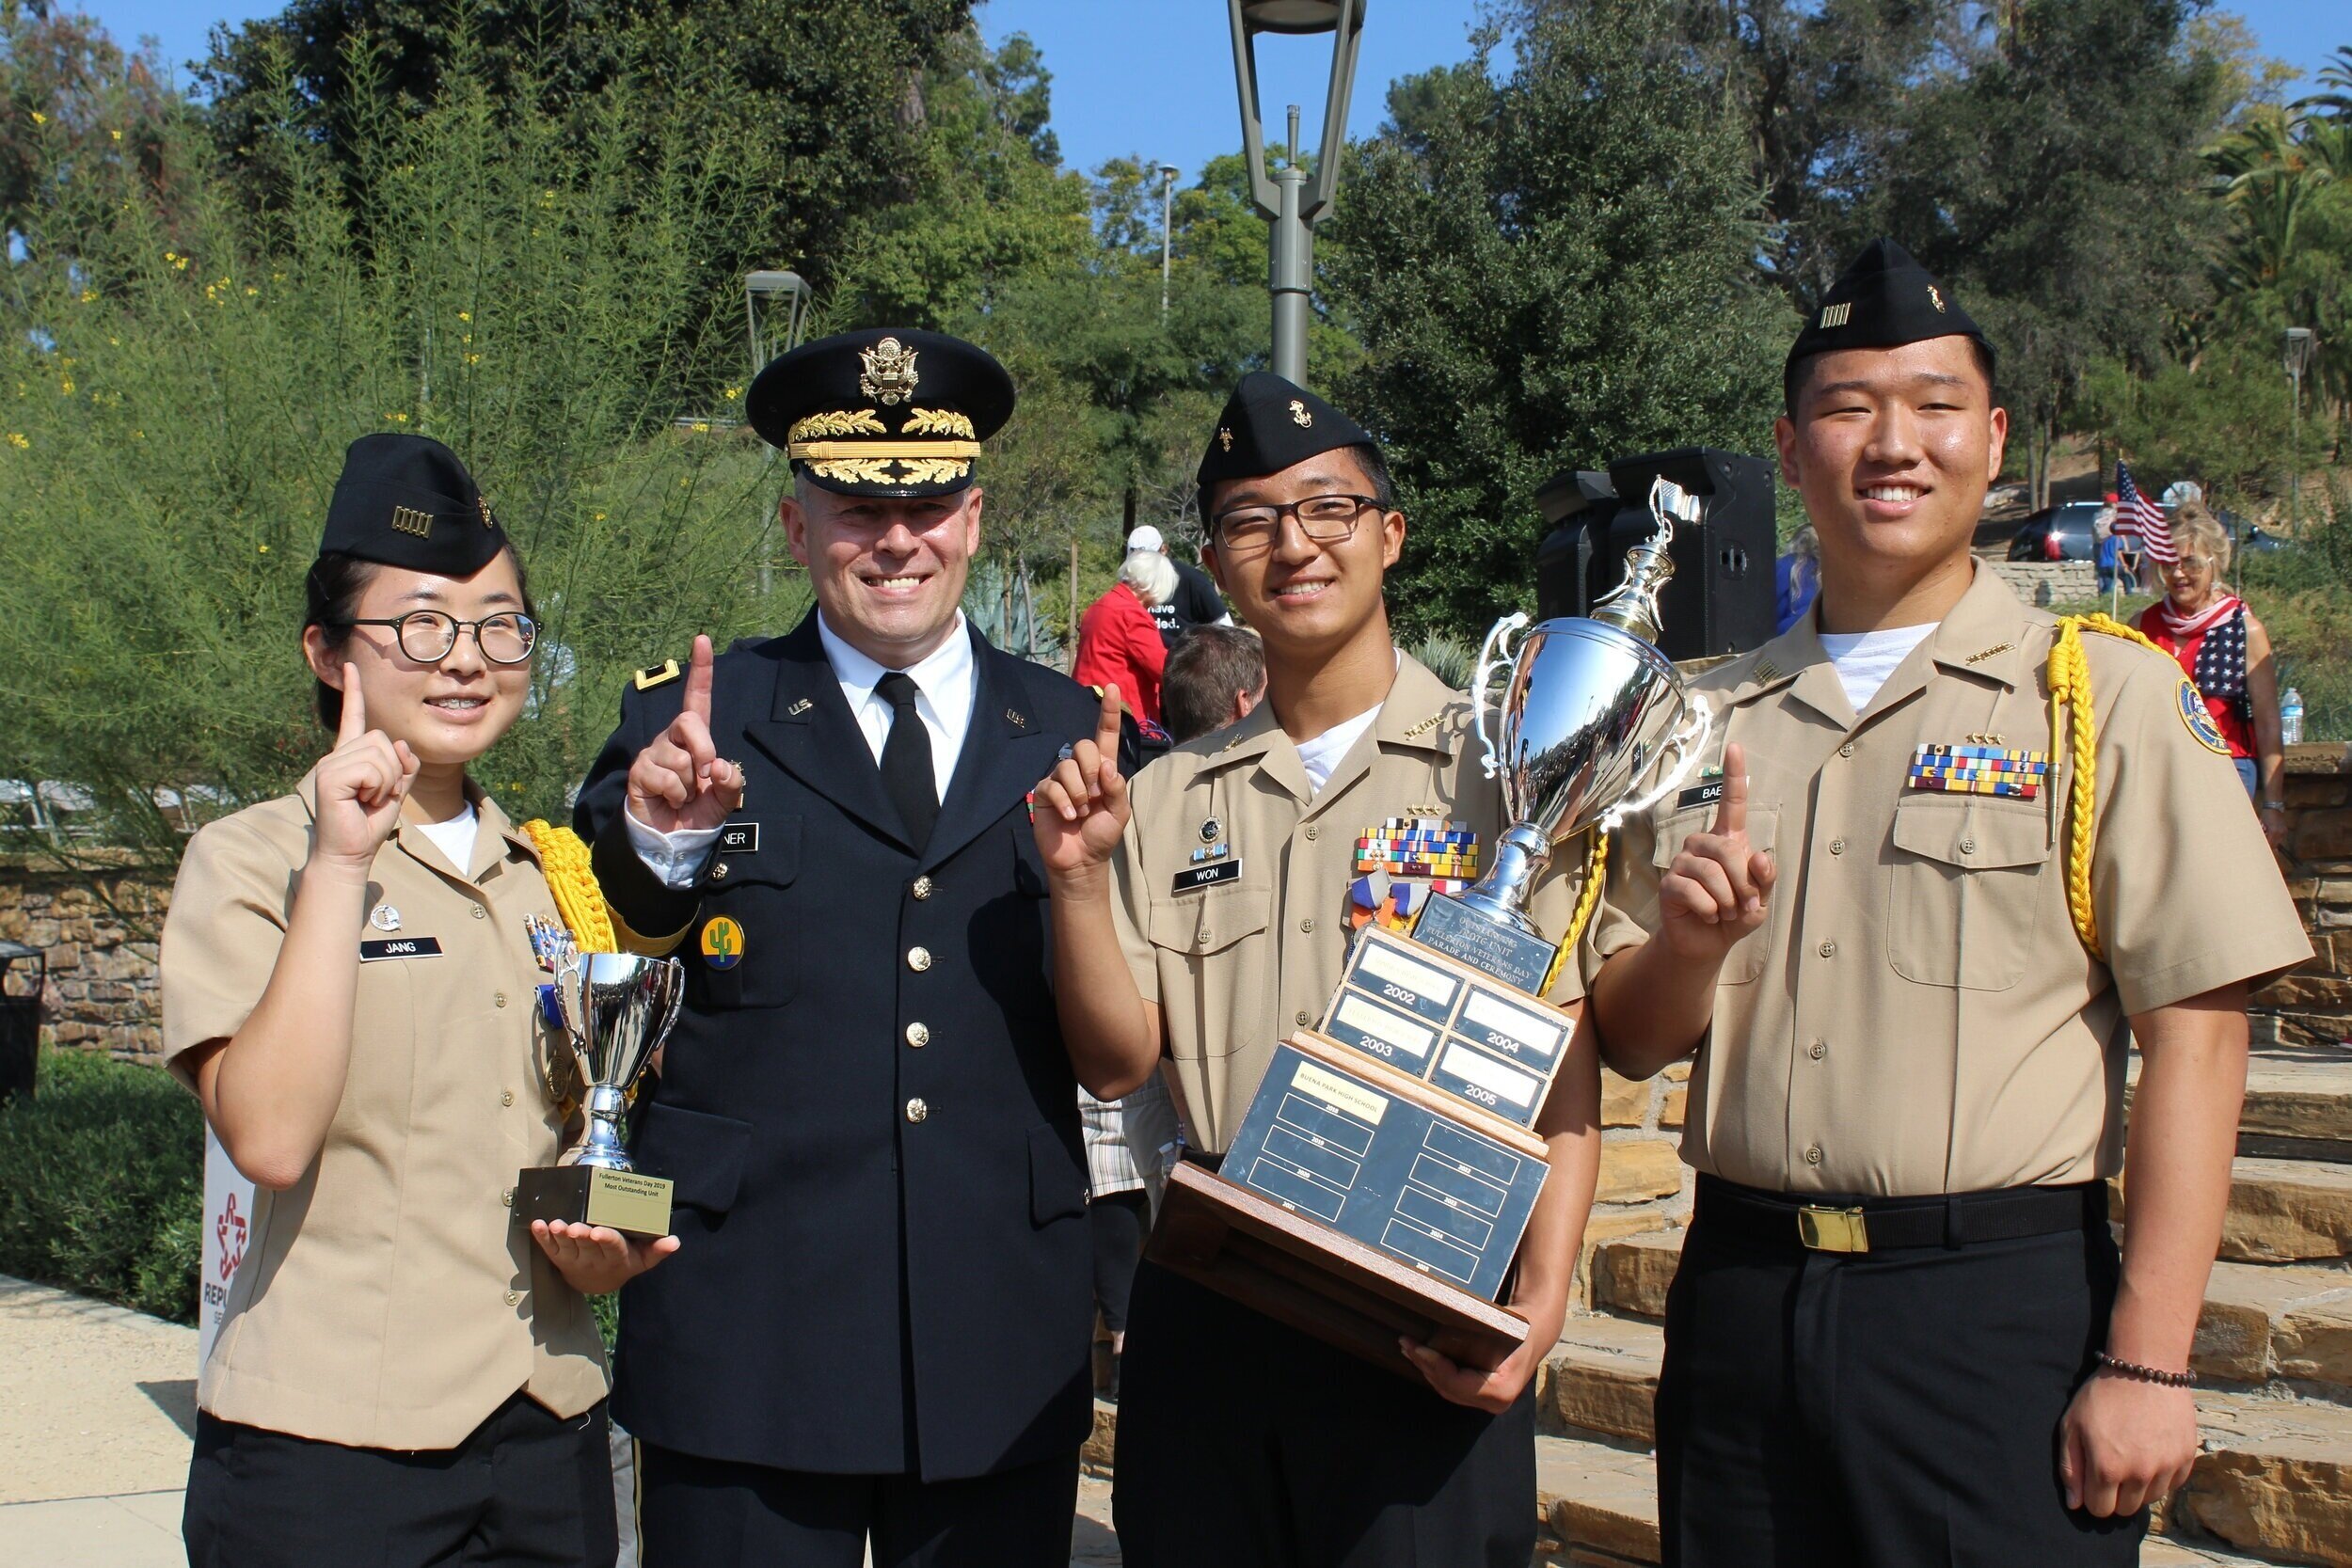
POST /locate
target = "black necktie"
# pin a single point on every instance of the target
(906, 760)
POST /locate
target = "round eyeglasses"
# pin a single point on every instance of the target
(426, 635)
(1324, 520)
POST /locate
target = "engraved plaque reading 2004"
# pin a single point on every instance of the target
(1486, 1043)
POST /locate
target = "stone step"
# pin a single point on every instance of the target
(1599, 1502)
(1631, 1272)
(2299, 1102)
(2267, 1322)
(2287, 1212)
(2274, 1478)
(1602, 1377)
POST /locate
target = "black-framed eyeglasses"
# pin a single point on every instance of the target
(1324, 520)
(426, 635)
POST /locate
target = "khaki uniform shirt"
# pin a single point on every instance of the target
(390, 1299)
(1237, 967)
(1918, 1015)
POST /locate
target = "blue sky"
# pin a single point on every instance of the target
(1155, 77)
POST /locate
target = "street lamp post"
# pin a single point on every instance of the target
(1168, 198)
(2299, 355)
(1287, 199)
(792, 289)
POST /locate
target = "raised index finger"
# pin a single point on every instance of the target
(698, 681)
(355, 722)
(1731, 813)
(1106, 728)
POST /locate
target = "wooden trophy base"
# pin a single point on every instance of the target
(1317, 1279)
(624, 1200)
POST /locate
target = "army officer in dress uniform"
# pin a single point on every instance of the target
(867, 1105)
(1213, 924)
(1902, 927)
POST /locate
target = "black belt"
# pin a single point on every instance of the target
(1830, 1223)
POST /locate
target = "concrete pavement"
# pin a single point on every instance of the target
(97, 1409)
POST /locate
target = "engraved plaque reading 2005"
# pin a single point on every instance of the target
(1390, 1173)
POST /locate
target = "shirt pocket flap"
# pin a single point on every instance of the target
(1057, 1179)
(704, 1154)
(1763, 821)
(774, 861)
(1211, 921)
(1973, 834)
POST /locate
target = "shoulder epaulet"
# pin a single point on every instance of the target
(658, 674)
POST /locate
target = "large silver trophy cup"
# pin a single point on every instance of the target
(617, 1008)
(1592, 723)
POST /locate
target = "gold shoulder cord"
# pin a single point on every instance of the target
(1587, 900)
(565, 861)
(2073, 724)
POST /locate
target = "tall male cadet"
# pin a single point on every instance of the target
(1899, 1333)
(867, 1106)
(1243, 1442)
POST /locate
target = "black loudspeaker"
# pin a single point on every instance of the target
(1720, 598)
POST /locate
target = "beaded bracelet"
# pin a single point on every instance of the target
(2139, 1373)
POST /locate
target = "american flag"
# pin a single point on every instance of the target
(2135, 514)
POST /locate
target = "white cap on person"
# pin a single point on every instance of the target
(1145, 538)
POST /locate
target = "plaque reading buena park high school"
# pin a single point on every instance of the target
(1382, 1179)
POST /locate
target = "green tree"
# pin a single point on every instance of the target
(1548, 269)
(180, 379)
(822, 100)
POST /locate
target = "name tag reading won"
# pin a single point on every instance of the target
(1211, 873)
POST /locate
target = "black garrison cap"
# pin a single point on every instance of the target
(887, 411)
(1267, 426)
(406, 500)
(1884, 299)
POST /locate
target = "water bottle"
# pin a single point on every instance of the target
(2290, 718)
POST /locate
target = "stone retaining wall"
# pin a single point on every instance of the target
(2313, 1005)
(2049, 582)
(99, 936)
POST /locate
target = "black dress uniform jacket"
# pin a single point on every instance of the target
(869, 1116)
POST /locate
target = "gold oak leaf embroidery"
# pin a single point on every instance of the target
(939, 421)
(846, 421)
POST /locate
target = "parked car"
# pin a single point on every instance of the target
(2071, 521)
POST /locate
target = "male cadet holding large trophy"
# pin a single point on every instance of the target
(1216, 921)
(1951, 847)
(867, 1106)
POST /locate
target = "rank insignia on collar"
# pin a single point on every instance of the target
(2013, 771)
(1766, 671)
(657, 674)
(1983, 653)
(1017, 722)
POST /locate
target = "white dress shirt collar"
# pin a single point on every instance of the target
(945, 684)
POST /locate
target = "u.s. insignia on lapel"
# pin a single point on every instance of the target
(797, 708)
(2010, 770)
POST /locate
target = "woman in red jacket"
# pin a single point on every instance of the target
(1118, 642)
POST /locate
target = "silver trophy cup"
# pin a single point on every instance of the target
(617, 1008)
(1593, 722)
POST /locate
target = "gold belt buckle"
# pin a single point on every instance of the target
(1833, 1230)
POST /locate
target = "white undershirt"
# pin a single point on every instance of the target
(454, 837)
(945, 685)
(1323, 753)
(1864, 659)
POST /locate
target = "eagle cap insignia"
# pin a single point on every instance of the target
(1300, 414)
(889, 373)
(1936, 296)
(482, 504)
(1225, 439)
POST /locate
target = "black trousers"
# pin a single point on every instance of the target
(697, 1512)
(526, 1487)
(1245, 1444)
(1115, 1226)
(1880, 1410)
